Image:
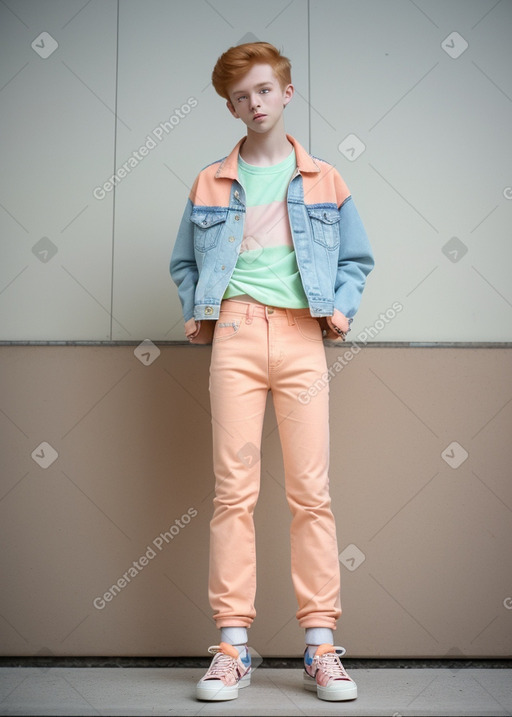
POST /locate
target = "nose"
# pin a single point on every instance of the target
(255, 101)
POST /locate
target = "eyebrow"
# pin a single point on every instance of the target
(260, 84)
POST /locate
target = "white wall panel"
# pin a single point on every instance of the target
(167, 52)
(432, 113)
(430, 109)
(57, 115)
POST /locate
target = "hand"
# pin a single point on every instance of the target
(339, 325)
(191, 328)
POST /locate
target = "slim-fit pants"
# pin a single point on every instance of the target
(258, 348)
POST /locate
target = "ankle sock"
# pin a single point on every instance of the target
(316, 636)
(236, 636)
(319, 636)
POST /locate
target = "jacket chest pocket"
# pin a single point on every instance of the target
(325, 224)
(208, 225)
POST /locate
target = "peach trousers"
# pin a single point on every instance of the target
(255, 349)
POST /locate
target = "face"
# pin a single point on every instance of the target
(258, 100)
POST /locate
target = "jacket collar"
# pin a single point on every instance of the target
(228, 168)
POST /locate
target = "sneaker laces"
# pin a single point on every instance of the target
(331, 664)
(221, 664)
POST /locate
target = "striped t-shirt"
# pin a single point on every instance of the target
(267, 267)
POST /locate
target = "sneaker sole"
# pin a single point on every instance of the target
(220, 694)
(329, 694)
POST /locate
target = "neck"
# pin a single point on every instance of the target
(266, 149)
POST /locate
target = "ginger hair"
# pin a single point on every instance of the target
(238, 60)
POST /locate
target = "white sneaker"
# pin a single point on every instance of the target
(325, 675)
(227, 672)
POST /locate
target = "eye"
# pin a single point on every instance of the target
(265, 89)
(239, 99)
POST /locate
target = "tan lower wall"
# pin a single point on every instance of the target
(133, 444)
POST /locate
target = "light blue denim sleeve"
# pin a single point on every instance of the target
(355, 260)
(183, 266)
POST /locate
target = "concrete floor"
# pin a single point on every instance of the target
(392, 692)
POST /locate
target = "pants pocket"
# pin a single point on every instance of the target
(227, 327)
(309, 328)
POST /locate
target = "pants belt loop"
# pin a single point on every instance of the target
(250, 310)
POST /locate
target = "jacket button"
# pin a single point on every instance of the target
(236, 217)
(236, 194)
(231, 238)
(208, 311)
(222, 267)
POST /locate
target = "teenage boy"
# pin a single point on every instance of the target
(271, 257)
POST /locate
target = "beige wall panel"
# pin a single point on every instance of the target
(425, 545)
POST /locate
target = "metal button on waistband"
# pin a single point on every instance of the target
(270, 310)
(208, 310)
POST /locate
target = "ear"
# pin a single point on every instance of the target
(288, 94)
(232, 109)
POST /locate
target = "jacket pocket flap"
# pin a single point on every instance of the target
(206, 219)
(325, 215)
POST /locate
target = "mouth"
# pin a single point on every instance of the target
(259, 116)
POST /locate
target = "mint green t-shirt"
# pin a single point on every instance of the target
(267, 266)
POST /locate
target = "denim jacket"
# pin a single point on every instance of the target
(332, 249)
